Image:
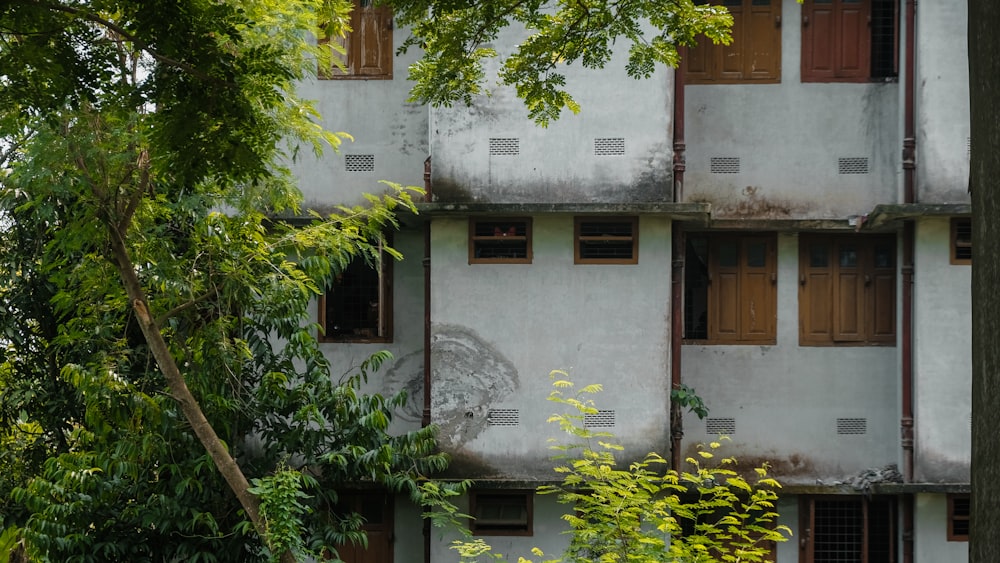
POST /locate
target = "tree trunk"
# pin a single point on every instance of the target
(189, 406)
(984, 84)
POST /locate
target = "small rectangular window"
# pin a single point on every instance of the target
(606, 240)
(753, 56)
(500, 241)
(501, 513)
(357, 307)
(959, 511)
(730, 288)
(961, 240)
(364, 52)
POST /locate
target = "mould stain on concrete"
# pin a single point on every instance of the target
(407, 374)
(469, 377)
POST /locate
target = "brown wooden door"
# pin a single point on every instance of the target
(377, 511)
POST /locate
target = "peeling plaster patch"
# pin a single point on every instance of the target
(407, 374)
(469, 378)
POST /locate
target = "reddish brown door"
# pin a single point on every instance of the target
(376, 509)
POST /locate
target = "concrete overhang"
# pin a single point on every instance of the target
(876, 489)
(694, 212)
(888, 215)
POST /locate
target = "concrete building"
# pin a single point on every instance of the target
(782, 225)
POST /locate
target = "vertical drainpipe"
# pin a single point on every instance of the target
(909, 196)
(425, 418)
(677, 265)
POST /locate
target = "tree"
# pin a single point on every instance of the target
(457, 37)
(984, 74)
(646, 512)
(151, 340)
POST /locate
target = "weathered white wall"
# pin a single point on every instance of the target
(942, 348)
(930, 532)
(789, 137)
(499, 329)
(383, 124)
(558, 163)
(942, 102)
(786, 398)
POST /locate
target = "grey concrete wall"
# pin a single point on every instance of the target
(789, 137)
(942, 348)
(499, 329)
(558, 163)
(785, 399)
(942, 102)
(930, 537)
(382, 123)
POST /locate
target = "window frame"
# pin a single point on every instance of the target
(368, 23)
(385, 305)
(744, 275)
(840, 70)
(474, 239)
(579, 240)
(744, 40)
(867, 302)
(953, 517)
(476, 500)
(956, 243)
(807, 521)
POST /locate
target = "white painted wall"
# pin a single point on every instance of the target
(942, 326)
(786, 398)
(942, 102)
(499, 329)
(930, 532)
(558, 163)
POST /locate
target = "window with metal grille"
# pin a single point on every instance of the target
(600, 419)
(961, 240)
(849, 40)
(852, 165)
(503, 417)
(501, 513)
(959, 511)
(612, 146)
(852, 425)
(730, 288)
(505, 146)
(359, 162)
(724, 165)
(753, 55)
(606, 240)
(725, 426)
(848, 529)
(357, 306)
(500, 240)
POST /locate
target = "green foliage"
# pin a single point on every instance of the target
(646, 511)
(457, 37)
(165, 128)
(687, 398)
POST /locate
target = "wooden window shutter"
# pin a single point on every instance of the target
(372, 40)
(881, 291)
(815, 291)
(729, 58)
(848, 292)
(762, 52)
(853, 50)
(698, 64)
(818, 33)
(757, 284)
(725, 289)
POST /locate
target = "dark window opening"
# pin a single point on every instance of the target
(959, 511)
(961, 240)
(357, 305)
(607, 241)
(501, 513)
(500, 241)
(848, 529)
